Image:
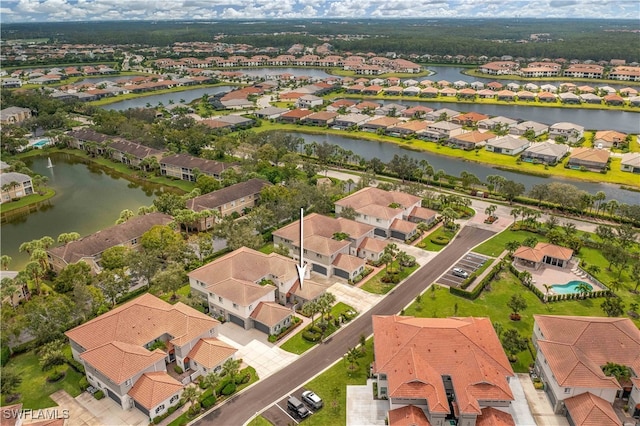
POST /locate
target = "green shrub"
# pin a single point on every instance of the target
(98, 395)
(440, 240)
(208, 402)
(311, 336)
(228, 389)
(56, 375)
(157, 420)
(172, 409)
(83, 383)
(315, 329)
(202, 384)
(75, 365)
(178, 370)
(5, 353)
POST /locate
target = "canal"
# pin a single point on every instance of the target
(88, 198)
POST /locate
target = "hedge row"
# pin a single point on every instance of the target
(472, 295)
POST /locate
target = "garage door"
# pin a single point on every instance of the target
(260, 326)
(141, 408)
(398, 235)
(341, 273)
(380, 232)
(319, 268)
(236, 320)
(113, 396)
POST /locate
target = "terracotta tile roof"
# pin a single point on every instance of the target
(577, 347)
(270, 313)
(142, 320)
(416, 352)
(493, 417)
(120, 361)
(297, 113)
(403, 226)
(153, 388)
(422, 213)
(590, 154)
(474, 137)
(537, 253)
(48, 422)
(383, 122)
(210, 352)
(409, 415)
(94, 244)
(319, 226)
(218, 198)
(609, 136)
(377, 198)
(590, 410)
(8, 416)
(310, 291)
(347, 262)
(373, 244)
(323, 245)
(414, 125)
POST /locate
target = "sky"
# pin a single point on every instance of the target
(105, 10)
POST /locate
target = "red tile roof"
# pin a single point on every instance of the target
(589, 410)
(153, 388)
(409, 415)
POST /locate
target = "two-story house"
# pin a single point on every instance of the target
(131, 153)
(441, 369)
(235, 198)
(14, 185)
(571, 354)
(89, 249)
(389, 212)
(125, 351)
(570, 131)
(236, 284)
(186, 167)
(330, 245)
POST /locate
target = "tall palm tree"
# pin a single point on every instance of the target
(212, 380)
(231, 367)
(190, 395)
(515, 213)
(5, 260)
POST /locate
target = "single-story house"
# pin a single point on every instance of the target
(570, 131)
(630, 162)
(508, 145)
(491, 123)
(407, 128)
(469, 118)
(321, 118)
(609, 139)
(380, 123)
(231, 122)
(521, 128)
(345, 121)
(270, 113)
(589, 158)
(545, 152)
(543, 254)
(294, 116)
(471, 140)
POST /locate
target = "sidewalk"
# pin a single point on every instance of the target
(484, 273)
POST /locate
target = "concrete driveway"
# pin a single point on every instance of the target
(539, 404)
(255, 350)
(362, 409)
(85, 410)
(355, 297)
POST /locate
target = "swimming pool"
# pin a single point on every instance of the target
(41, 143)
(569, 287)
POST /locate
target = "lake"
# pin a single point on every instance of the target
(88, 198)
(452, 166)
(166, 98)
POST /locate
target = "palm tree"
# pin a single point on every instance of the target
(231, 367)
(212, 380)
(351, 357)
(547, 289)
(515, 213)
(490, 210)
(310, 309)
(190, 395)
(5, 261)
(583, 289)
(449, 215)
(325, 302)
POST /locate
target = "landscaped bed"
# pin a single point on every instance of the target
(377, 286)
(437, 240)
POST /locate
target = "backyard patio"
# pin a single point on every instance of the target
(553, 275)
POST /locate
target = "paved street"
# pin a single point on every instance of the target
(239, 409)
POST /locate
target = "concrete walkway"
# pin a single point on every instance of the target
(519, 408)
(355, 297)
(539, 404)
(362, 409)
(85, 410)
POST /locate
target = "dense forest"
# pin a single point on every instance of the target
(572, 39)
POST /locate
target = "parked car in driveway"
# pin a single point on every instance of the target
(297, 407)
(460, 273)
(312, 399)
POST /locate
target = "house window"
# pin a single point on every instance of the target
(219, 299)
(567, 390)
(173, 399)
(250, 307)
(235, 306)
(159, 408)
(127, 382)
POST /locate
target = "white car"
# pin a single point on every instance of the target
(312, 399)
(460, 273)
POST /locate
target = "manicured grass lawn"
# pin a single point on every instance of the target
(440, 232)
(299, 345)
(440, 304)
(331, 386)
(35, 389)
(259, 421)
(375, 284)
(267, 248)
(26, 201)
(496, 245)
(182, 294)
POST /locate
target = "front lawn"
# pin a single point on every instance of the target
(496, 245)
(259, 421)
(35, 389)
(375, 284)
(439, 233)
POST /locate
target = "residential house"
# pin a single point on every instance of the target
(584, 71)
(609, 139)
(126, 351)
(380, 123)
(545, 152)
(309, 101)
(442, 130)
(495, 122)
(471, 140)
(469, 119)
(236, 198)
(387, 211)
(571, 132)
(234, 285)
(520, 129)
(89, 249)
(346, 121)
(543, 254)
(231, 122)
(330, 245)
(443, 114)
(630, 162)
(21, 291)
(321, 118)
(341, 103)
(14, 185)
(209, 354)
(441, 370)
(83, 138)
(569, 98)
(418, 111)
(571, 351)
(294, 116)
(270, 113)
(186, 167)
(590, 98)
(407, 128)
(508, 145)
(131, 153)
(14, 115)
(526, 95)
(590, 158)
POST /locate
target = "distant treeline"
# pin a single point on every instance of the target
(569, 38)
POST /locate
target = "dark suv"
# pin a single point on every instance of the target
(297, 407)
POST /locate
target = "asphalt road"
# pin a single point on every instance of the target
(239, 409)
